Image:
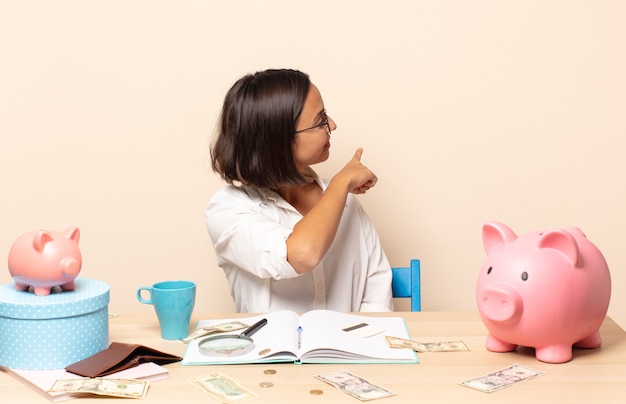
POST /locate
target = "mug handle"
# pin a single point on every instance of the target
(141, 299)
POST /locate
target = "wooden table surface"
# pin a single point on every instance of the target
(592, 376)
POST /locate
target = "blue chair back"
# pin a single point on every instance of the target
(405, 283)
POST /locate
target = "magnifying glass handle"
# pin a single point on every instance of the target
(254, 327)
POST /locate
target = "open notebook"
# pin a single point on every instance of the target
(318, 336)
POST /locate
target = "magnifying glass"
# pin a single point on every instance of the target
(231, 344)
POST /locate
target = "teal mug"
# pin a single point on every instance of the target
(173, 302)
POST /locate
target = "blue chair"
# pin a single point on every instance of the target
(405, 282)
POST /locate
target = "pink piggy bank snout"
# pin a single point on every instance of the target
(70, 266)
(500, 303)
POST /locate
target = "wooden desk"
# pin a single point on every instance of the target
(593, 376)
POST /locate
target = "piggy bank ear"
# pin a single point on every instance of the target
(40, 240)
(563, 242)
(573, 230)
(72, 233)
(496, 233)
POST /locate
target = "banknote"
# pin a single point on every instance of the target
(500, 379)
(128, 388)
(354, 385)
(443, 346)
(214, 329)
(221, 387)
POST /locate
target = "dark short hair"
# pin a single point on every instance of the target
(257, 128)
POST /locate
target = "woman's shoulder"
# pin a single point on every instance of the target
(230, 200)
(236, 192)
(240, 195)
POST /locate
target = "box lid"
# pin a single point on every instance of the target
(89, 295)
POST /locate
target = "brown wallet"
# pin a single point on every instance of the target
(119, 356)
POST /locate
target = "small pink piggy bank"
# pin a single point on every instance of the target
(45, 259)
(548, 290)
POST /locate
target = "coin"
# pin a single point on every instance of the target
(316, 392)
(266, 384)
(269, 371)
(264, 352)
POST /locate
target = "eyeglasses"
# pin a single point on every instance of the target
(319, 125)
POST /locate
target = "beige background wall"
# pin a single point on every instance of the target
(468, 111)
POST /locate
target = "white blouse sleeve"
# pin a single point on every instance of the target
(246, 235)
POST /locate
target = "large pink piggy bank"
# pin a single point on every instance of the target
(548, 290)
(45, 259)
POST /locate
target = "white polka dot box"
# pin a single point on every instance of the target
(51, 332)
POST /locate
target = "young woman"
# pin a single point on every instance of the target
(285, 238)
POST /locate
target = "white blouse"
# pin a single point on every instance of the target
(249, 228)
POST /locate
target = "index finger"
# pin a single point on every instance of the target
(358, 154)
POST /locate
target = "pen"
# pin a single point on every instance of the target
(299, 337)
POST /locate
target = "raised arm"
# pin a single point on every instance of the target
(313, 235)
